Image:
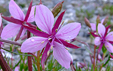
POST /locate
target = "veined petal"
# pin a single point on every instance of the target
(0, 20)
(33, 44)
(93, 26)
(97, 41)
(44, 18)
(15, 11)
(62, 55)
(23, 32)
(69, 31)
(109, 47)
(101, 30)
(10, 31)
(44, 56)
(31, 16)
(110, 36)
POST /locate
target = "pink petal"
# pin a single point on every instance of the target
(44, 56)
(93, 26)
(110, 36)
(62, 55)
(44, 18)
(31, 16)
(69, 31)
(17, 68)
(10, 31)
(109, 47)
(101, 30)
(23, 32)
(97, 41)
(33, 44)
(102, 21)
(0, 20)
(15, 11)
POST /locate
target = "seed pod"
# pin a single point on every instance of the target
(57, 9)
(87, 22)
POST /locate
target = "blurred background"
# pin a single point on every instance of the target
(76, 10)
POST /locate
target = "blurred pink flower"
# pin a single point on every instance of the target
(17, 19)
(104, 38)
(51, 36)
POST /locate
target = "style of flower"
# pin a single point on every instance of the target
(104, 38)
(51, 37)
(17, 19)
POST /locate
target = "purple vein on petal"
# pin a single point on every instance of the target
(28, 12)
(67, 44)
(13, 20)
(36, 32)
(58, 21)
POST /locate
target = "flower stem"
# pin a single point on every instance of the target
(29, 57)
(3, 63)
(94, 57)
(11, 42)
(38, 60)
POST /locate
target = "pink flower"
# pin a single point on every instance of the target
(104, 38)
(51, 36)
(17, 19)
(93, 25)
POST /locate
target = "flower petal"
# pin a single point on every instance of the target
(44, 18)
(110, 36)
(62, 55)
(69, 31)
(101, 30)
(10, 31)
(33, 44)
(97, 41)
(109, 47)
(0, 20)
(15, 11)
(31, 16)
(93, 26)
(44, 56)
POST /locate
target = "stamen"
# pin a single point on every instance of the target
(42, 42)
(48, 53)
(66, 48)
(68, 40)
(56, 30)
(52, 47)
(49, 38)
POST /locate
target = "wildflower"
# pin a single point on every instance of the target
(51, 37)
(104, 38)
(17, 19)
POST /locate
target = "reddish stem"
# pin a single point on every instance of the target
(3, 63)
(94, 57)
(29, 57)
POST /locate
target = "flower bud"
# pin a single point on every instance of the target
(57, 9)
(98, 19)
(87, 22)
